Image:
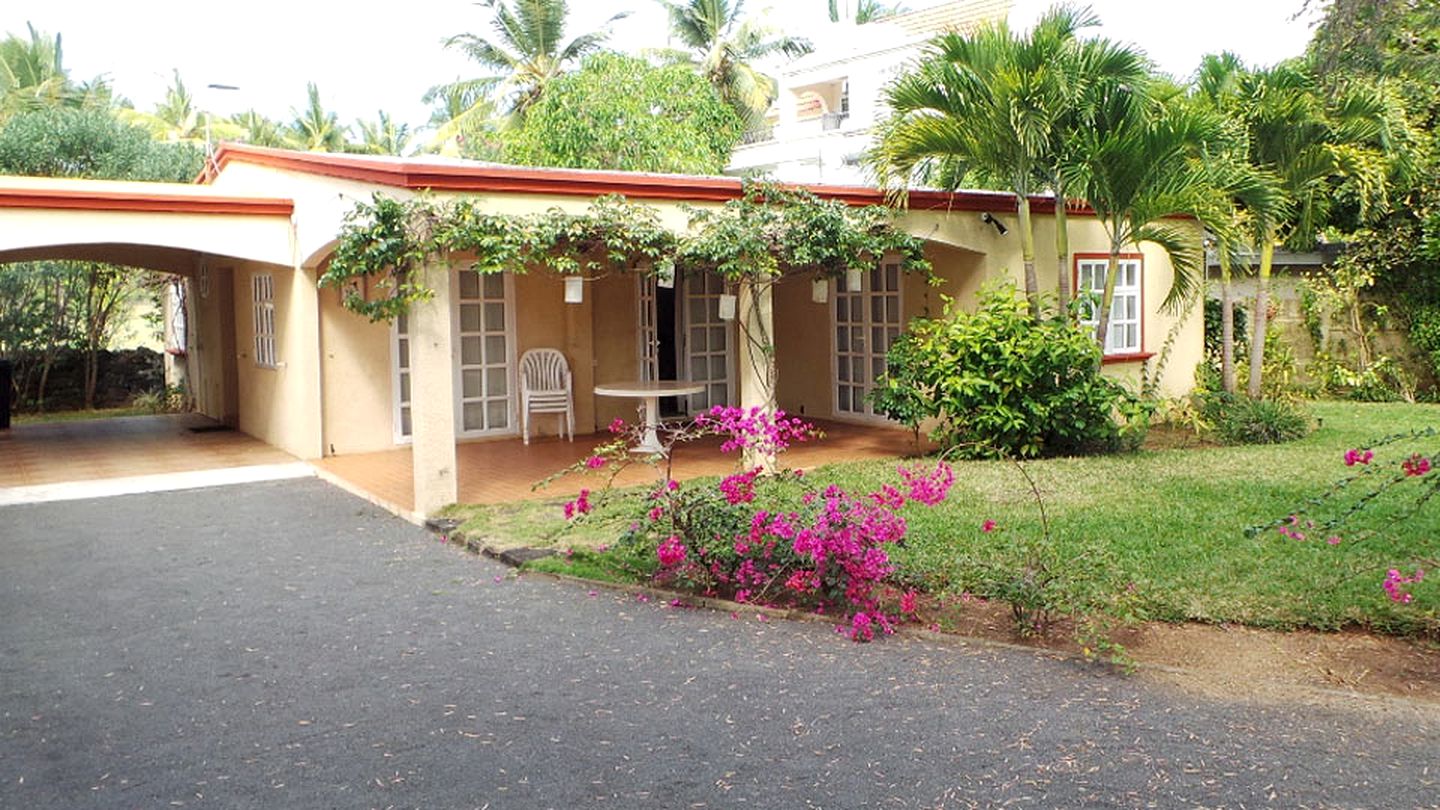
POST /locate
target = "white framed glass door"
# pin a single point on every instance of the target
(482, 321)
(865, 321)
(647, 316)
(400, 362)
(483, 374)
(708, 342)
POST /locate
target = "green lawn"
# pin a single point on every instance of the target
(1167, 528)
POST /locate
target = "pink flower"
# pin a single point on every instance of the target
(671, 552)
(1416, 465)
(1395, 583)
(907, 603)
(929, 488)
(1333, 540)
(655, 512)
(595, 462)
(1358, 456)
(617, 425)
(988, 526)
(579, 506)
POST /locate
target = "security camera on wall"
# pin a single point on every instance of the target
(989, 219)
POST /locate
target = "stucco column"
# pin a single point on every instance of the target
(755, 309)
(432, 403)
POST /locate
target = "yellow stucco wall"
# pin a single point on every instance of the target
(599, 337)
(280, 405)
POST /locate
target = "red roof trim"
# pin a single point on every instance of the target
(101, 200)
(576, 183)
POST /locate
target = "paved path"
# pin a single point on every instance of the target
(286, 645)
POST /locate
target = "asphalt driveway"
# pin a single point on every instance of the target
(287, 645)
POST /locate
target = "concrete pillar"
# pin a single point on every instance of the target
(755, 309)
(432, 404)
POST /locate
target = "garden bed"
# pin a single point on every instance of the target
(1157, 534)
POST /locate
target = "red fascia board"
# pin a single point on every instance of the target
(521, 180)
(99, 200)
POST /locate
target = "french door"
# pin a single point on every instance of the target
(648, 318)
(483, 324)
(867, 319)
(483, 373)
(708, 342)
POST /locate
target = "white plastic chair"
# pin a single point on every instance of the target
(546, 387)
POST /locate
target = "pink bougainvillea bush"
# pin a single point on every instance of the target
(742, 537)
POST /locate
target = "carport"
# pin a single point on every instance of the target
(184, 230)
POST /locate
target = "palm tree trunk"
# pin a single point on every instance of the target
(1062, 256)
(1262, 305)
(1227, 325)
(1027, 254)
(1107, 298)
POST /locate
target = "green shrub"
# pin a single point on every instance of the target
(1425, 333)
(1241, 420)
(1001, 383)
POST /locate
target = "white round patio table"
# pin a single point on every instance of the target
(650, 393)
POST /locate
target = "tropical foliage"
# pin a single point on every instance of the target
(618, 112)
(723, 47)
(528, 48)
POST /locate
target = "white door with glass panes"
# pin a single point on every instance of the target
(482, 384)
(483, 326)
(648, 318)
(866, 322)
(1124, 336)
(400, 351)
(708, 341)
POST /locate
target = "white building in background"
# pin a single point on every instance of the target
(829, 100)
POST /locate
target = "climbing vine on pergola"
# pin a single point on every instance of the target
(767, 233)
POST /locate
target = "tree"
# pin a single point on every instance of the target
(982, 105)
(382, 136)
(1246, 197)
(618, 112)
(90, 143)
(262, 131)
(463, 122)
(865, 11)
(314, 128)
(722, 49)
(33, 77)
(1088, 69)
(527, 51)
(1319, 152)
(1141, 163)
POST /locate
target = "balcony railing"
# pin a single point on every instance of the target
(758, 134)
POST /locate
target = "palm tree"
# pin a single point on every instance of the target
(865, 11)
(315, 129)
(980, 107)
(1090, 69)
(1142, 162)
(257, 129)
(723, 48)
(382, 136)
(528, 49)
(1312, 148)
(463, 121)
(33, 76)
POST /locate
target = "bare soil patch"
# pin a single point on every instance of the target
(1232, 660)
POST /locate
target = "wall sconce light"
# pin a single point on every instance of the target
(574, 290)
(989, 219)
(854, 279)
(820, 290)
(727, 307)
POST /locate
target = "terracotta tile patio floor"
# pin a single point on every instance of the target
(56, 452)
(505, 470)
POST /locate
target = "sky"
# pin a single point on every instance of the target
(366, 61)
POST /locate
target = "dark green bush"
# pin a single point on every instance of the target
(1241, 420)
(1001, 383)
